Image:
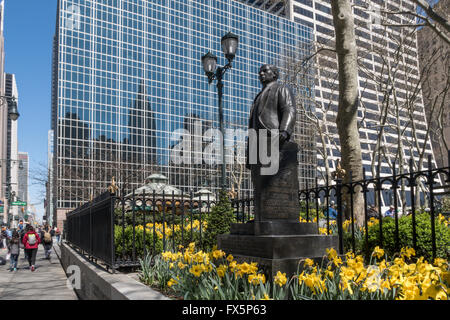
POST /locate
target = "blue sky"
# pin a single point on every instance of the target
(28, 30)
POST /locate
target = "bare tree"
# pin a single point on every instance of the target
(346, 120)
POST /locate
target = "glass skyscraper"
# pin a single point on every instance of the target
(127, 74)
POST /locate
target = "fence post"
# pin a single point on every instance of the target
(173, 220)
(123, 224)
(134, 226)
(431, 183)
(327, 195)
(394, 188)
(113, 248)
(154, 220)
(412, 184)
(307, 201)
(144, 204)
(164, 219)
(316, 195)
(182, 218)
(366, 215)
(380, 214)
(90, 232)
(351, 210)
(339, 215)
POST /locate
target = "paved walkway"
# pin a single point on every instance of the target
(47, 282)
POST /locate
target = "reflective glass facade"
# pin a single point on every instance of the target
(128, 73)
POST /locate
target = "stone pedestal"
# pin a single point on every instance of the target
(276, 246)
(276, 240)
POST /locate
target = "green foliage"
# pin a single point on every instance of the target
(446, 204)
(219, 220)
(154, 272)
(153, 245)
(423, 236)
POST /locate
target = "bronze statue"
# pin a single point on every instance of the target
(274, 106)
(272, 109)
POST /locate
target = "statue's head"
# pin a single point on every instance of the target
(268, 73)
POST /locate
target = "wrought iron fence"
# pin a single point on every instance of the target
(90, 228)
(319, 198)
(120, 229)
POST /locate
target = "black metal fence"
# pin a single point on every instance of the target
(120, 229)
(90, 228)
(318, 198)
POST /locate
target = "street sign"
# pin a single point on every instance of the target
(18, 203)
(1, 209)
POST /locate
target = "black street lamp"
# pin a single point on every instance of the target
(13, 112)
(229, 44)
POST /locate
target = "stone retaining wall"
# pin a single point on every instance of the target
(97, 284)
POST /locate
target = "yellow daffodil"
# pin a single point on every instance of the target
(232, 265)
(266, 297)
(256, 279)
(280, 279)
(331, 253)
(337, 261)
(196, 270)
(217, 254)
(221, 270)
(378, 252)
(171, 282)
(309, 262)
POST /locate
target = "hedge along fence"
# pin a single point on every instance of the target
(140, 230)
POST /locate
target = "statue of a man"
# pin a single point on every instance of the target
(273, 109)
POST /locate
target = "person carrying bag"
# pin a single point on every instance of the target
(31, 242)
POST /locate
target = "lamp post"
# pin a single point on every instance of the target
(13, 114)
(229, 44)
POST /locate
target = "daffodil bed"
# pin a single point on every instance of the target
(194, 274)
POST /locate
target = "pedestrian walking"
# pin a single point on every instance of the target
(4, 237)
(58, 235)
(21, 226)
(31, 242)
(332, 212)
(14, 250)
(47, 240)
(21, 235)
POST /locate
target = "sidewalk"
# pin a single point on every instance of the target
(47, 282)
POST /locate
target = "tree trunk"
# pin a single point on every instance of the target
(351, 159)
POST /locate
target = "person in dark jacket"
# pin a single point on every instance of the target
(31, 242)
(47, 235)
(21, 235)
(4, 238)
(14, 250)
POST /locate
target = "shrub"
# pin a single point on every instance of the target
(423, 236)
(153, 245)
(219, 220)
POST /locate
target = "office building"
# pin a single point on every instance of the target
(23, 175)
(127, 75)
(435, 51)
(3, 124)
